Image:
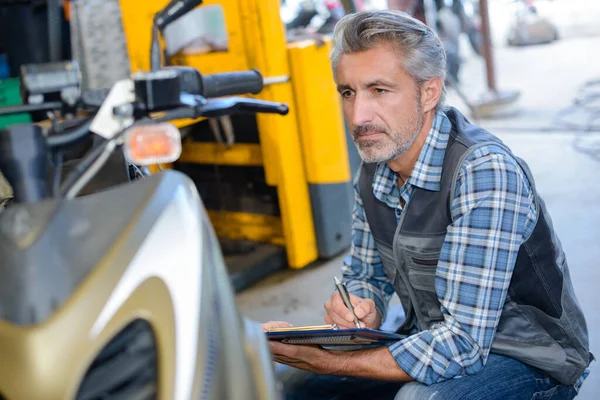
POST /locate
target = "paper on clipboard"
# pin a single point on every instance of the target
(331, 335)
(307, 328)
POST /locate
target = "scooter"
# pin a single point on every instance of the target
(122, 292)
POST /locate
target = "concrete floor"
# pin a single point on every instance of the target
(548, 77)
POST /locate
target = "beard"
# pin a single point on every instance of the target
(393, 144)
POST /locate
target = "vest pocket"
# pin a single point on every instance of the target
(421, 272)
(425, 261)
(421, 275)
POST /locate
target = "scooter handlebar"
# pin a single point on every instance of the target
(232, 83)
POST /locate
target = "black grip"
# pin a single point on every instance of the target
(232, 83)
(29, 108)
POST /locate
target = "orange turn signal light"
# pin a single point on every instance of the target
(152, 144)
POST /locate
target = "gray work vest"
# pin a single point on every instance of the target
(541, 323)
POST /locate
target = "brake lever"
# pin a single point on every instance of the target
(228, 105)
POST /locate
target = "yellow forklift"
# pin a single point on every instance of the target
(278, 189)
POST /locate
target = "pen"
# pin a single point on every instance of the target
(346, 297)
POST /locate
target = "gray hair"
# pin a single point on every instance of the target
(423, 52)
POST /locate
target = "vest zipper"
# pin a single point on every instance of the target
(410, 314)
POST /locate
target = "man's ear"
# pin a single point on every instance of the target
(431, 91)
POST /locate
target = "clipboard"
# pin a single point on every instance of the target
(331, 337)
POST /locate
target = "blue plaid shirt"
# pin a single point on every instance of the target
(493, 212)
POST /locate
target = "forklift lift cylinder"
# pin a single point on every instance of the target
(325, 149)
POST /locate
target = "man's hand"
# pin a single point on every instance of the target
(310, 358)
(375, 363)
(370, 363)
(365, 310)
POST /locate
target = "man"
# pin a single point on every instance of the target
(449, 219)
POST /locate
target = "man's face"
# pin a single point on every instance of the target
(381, 102)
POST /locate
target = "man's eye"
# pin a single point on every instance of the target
(346, 93)
(379, 90)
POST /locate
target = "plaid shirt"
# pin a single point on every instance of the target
(493, 212)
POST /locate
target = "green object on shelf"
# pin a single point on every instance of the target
(10, 95)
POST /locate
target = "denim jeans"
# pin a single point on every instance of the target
(502, 378)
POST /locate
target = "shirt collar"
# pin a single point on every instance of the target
(427, 171)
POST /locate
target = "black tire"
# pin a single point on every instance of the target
(125, 369)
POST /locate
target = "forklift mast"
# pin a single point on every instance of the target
(278, 189)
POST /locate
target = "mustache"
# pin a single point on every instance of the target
(360, 129)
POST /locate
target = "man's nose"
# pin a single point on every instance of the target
(363, 111)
